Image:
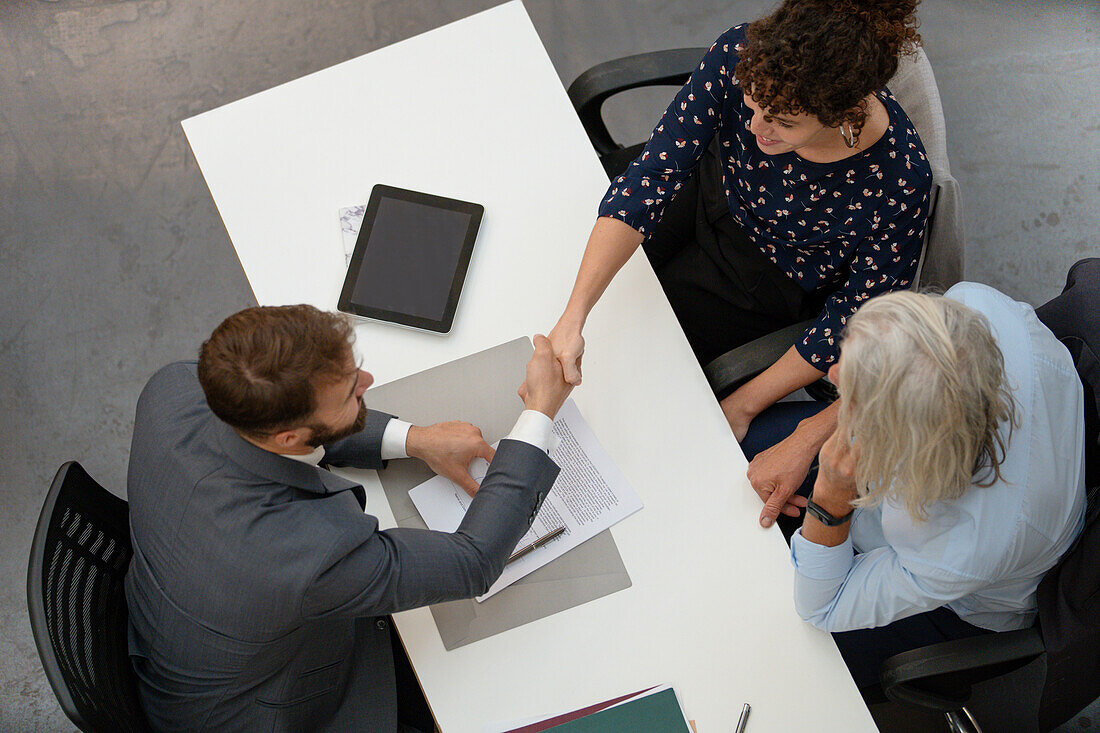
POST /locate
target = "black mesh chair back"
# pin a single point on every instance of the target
(79, 557)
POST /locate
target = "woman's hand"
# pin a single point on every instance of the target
(834, 490)
(836, 473)
(776, 473)
(609, 247)
(568, 346)
(545, 388)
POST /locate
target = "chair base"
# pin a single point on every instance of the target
(961, 721)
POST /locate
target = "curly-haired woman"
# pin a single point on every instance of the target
(783, 182)
(954, 480)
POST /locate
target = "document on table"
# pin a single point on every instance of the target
(589, 495)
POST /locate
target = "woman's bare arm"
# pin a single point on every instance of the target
(609, 247)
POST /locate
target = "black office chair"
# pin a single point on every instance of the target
(915, 88)
(79, 557)
(940, 677)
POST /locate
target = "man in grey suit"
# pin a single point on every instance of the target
(259, 591)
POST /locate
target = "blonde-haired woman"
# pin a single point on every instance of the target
(953, 481)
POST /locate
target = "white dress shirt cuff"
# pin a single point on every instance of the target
(818, 562)
(535, 428)
(393, 439)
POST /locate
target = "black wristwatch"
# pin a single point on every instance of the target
(823, 516)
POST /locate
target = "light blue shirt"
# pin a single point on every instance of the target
(983, 554)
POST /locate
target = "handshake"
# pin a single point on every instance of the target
(449, 447)
(545, 388)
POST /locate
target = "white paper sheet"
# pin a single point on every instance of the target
(589, 495)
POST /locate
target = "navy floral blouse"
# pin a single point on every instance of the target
(853, 228)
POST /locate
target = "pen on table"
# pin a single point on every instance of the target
(742, 720)
(537, 543)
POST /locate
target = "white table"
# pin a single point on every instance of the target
(474, 110)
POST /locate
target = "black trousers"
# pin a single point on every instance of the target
(413, 713)
(724, 290)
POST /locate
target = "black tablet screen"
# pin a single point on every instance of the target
(410, 259)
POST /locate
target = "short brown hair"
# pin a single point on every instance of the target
(261, 367)
(823, 57)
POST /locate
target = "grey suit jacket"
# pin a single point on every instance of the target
(259, 589)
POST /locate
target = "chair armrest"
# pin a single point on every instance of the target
(926, 240)
(939, 676)
(658, 68)
(739, 365)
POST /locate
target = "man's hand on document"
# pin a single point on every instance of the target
(545, 388)
(448, 448)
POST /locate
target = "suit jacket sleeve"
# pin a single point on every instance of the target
(367, 572)
(362, 450)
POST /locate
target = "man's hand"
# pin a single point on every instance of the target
(568, 346)
(545, 388)
(776, 473)
(448, 448)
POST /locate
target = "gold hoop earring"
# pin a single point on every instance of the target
(849, 137)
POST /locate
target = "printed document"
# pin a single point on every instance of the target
(589, 495)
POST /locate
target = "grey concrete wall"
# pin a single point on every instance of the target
(113, 259)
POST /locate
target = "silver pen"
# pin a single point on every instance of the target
(743, 719)
(537, 543)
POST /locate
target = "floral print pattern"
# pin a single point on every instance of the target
(852, 228)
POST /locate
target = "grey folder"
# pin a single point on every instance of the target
(481, 389)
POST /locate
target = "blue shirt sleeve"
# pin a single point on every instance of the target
(836, 589)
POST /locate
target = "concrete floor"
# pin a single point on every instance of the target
(114, 260)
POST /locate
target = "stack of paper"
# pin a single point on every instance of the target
(656, 710)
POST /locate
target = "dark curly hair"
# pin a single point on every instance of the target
(823, 57)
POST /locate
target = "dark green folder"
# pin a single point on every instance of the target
(658, 713)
